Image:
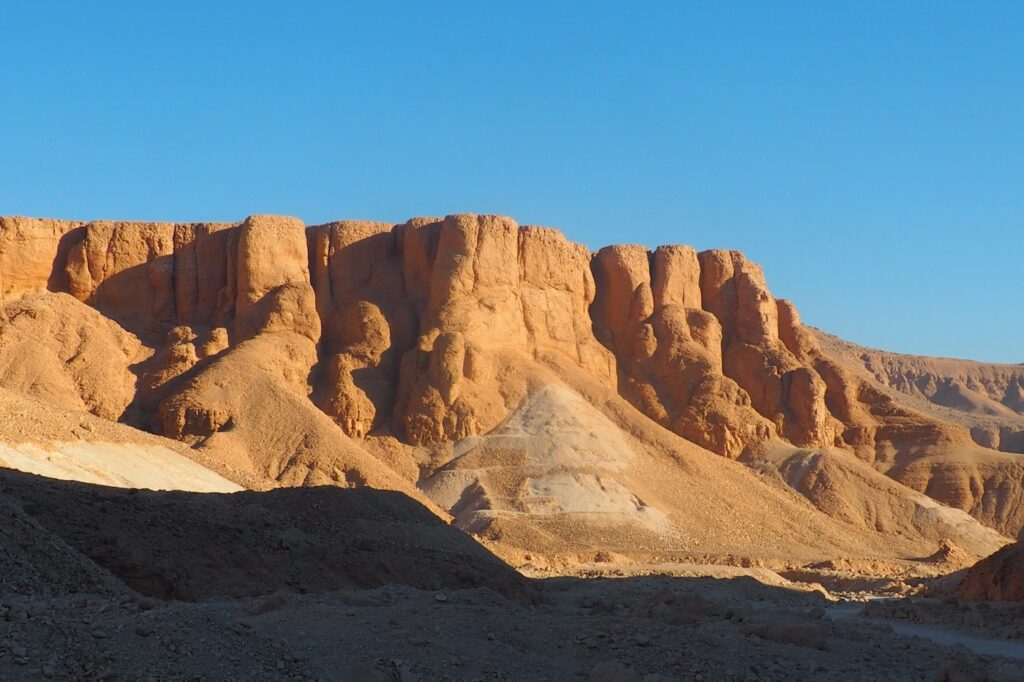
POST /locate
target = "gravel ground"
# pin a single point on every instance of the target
(577, 629)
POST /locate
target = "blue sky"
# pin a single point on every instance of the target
(869, 155)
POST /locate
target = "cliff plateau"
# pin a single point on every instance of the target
(554, 401)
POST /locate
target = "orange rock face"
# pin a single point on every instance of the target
(416, 322)
(698, 340)
(422, 331)
(32, 253)
(421, 318)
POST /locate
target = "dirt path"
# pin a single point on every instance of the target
(945, 636)
(939, 634)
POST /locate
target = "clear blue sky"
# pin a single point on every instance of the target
(869, 155)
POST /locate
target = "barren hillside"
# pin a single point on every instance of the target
(999, 577)
(560, 403)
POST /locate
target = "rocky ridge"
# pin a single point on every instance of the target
(999, 577)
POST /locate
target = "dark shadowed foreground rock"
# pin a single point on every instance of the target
(193, 546)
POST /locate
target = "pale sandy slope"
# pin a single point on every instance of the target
(42, 439)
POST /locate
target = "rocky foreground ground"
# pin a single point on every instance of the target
(569, 629)
(329, 584)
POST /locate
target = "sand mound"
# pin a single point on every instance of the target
(555, 454)
(555, 463)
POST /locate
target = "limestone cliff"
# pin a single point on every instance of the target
(435, 330)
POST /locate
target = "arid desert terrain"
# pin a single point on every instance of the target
(463, 449)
